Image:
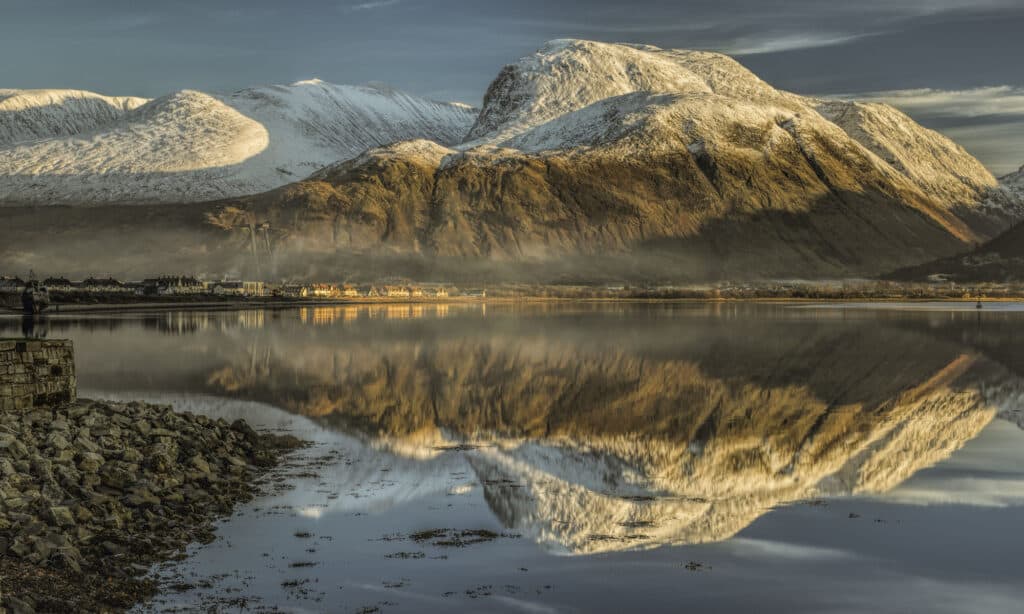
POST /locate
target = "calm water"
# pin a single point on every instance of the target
(599, 458)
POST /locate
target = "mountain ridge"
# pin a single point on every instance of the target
(193, 146)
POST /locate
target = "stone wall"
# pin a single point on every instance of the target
(36, 372)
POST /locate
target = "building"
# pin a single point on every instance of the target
(349, 291)
(173, 286)
(60, 284)
(416, 292)
(104, 285)
(440, 292)
(229, 288)
(396, 292)
(254, 288)
(292, 291)
(11, 284)
(239, 288)
(324, 291)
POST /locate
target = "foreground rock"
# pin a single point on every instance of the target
(92, 493)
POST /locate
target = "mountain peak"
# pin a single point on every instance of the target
(568, 75)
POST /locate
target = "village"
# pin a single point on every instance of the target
(187, 286)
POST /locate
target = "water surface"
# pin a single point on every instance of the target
(578, 458)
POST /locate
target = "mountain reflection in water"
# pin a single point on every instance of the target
(597, 428)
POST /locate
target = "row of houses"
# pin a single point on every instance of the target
(183, 285)
(157, 286)
(329, 291)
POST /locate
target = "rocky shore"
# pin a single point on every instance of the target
(94, 492)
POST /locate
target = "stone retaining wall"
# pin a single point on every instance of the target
(36, 372)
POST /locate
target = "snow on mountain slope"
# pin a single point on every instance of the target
(565, 76)
(1014, 182)
(193, 146)
(940, 167)
(574, 93)
(39, 114)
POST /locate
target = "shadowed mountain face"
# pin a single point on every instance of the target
(602, 429)
(589, 160)
(998, 260)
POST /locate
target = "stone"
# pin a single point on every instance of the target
(61, 516)
(57, 441)
(90, 462)
(199, 463)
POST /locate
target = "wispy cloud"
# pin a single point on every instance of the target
(787, 42)
(1000, 100)
(373, 4)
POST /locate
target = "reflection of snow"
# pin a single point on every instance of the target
(593, 502)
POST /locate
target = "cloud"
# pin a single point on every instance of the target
(787, 42)
(1000, 100)
(373, 4)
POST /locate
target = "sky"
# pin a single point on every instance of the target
(954, 65)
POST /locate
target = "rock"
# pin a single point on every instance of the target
(57, 441)
(90, 462)
(67, 558)
(11, 447)
(114, 475)
(112, 548)
(18, 606)
(199, 463)
(61, 516)
(90, 481)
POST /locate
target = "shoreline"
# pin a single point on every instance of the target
(96, 492)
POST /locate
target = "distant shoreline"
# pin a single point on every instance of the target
(236, 304)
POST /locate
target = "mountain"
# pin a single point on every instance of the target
(1014, 182)
(587, 161)
(634, 160)
(1000, 259)
(28, 115)
(193, 146)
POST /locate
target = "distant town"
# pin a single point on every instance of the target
(190, 286)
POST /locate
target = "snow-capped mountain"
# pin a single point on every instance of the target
(596, 149)
(28, 115)
(593, 159)
(574, 93)
(192, 146)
